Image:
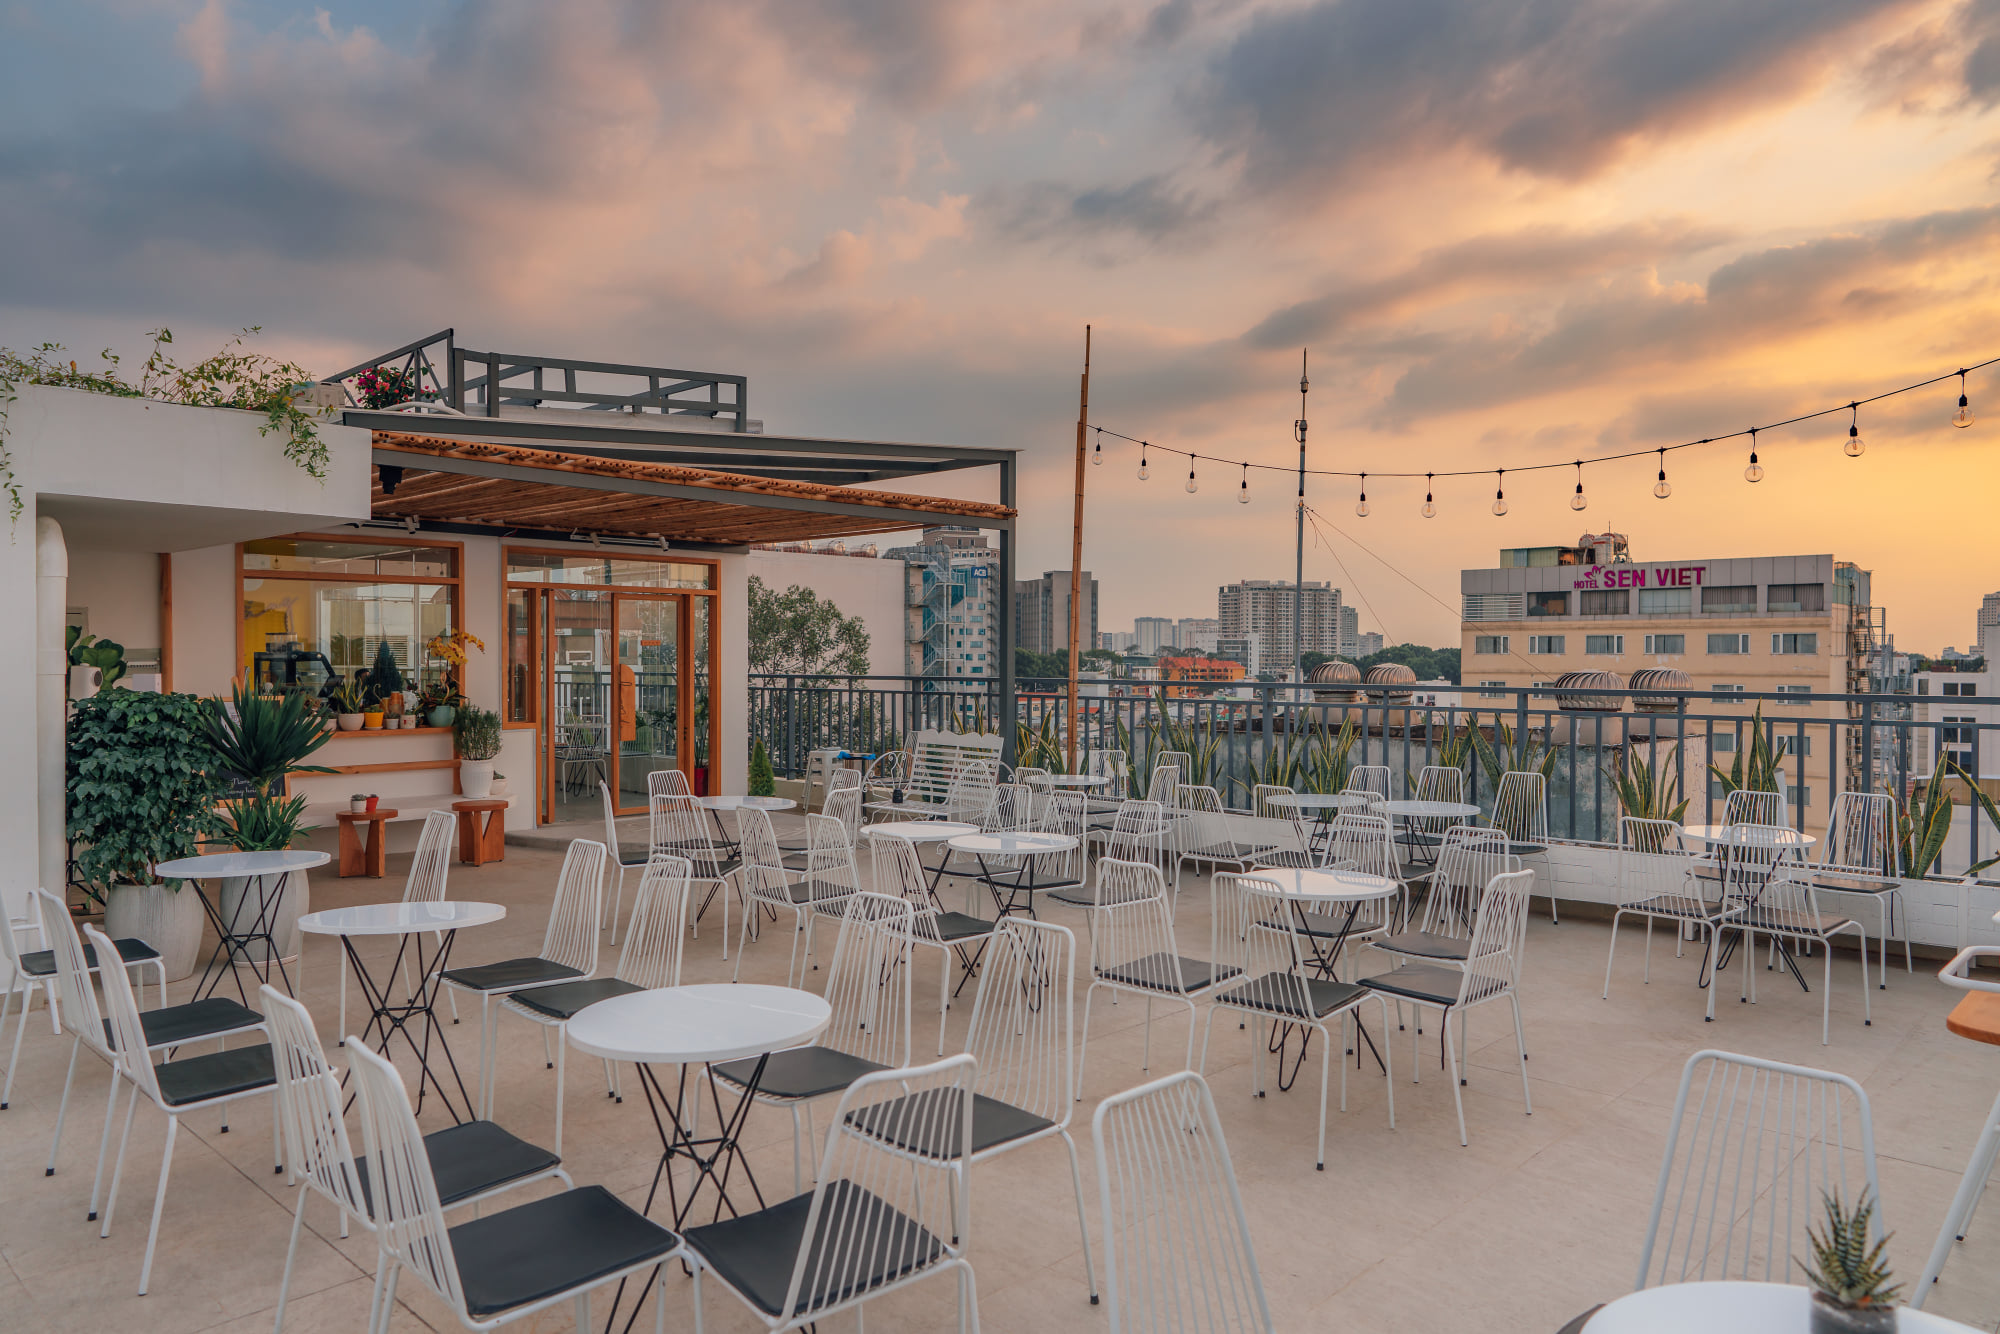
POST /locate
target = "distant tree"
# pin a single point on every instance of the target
(1312, 660)
(1027, 662)
(1430, 664)
(1097, 660)
(797, 631)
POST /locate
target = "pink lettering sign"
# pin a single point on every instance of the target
(1642, 576)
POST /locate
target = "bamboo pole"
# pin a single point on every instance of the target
(1076, 553)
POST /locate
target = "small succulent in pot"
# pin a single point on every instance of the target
(1850, 1279)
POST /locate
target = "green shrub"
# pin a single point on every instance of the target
(142, 784)
(761, 782)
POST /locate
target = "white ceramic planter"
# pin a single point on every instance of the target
(241, 895)
(169, 920)
(350, 722)
(475, 779)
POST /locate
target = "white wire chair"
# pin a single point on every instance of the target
(1181, 760)
(1747, 807)
(1210, 836)
(651, 958)
(1467, 861)
(769, 889)
(615, 864)
(177, 1087)
(1260, 798)
(1132, 950)
(503, 1266)
(1745, 1165)
(1115, 765)
(1521, 809)
(569, 952)
(1137, 834)
(1364, 843)
(891, 1208)
(1021, 878)
(868, 990)
(680, 828)
(430, 868)
(1786, 908)
(1857, 858)
(1490, 973)
(1369, 780)
(35, 971)
(972, 793)
(1273, 981)
(667, 783)
(1435, 782)
(472, 1161)
(1657, 881)
(899, 871)
(1164, 783)
(1177, 1250)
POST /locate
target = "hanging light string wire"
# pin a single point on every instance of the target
(1748, 432)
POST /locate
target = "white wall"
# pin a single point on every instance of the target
(871, 589)
(119, 594)
(733, 690)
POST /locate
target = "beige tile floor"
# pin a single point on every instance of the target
(1539, 1218)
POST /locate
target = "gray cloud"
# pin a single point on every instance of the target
(1557, 88)
(1152, 209)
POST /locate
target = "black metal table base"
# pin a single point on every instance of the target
(1323, 961)
(232, 946)
(390, 1018)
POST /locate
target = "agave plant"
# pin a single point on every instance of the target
(1454, 751)
(1648, 790)
(1845, 1270)
(266, 822)
(1755, 768)
(1923, 824)
(1200, 742)
(1328, 759)
(263, 738)
(1507, 754)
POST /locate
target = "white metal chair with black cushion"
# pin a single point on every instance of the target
(177, 1087)
(1210, 836)
(35, 971)
(430, 868)
(1435, 782)
(1137, 834)
(1857, 858)
(1260, 800)
(1491, 972)
(650, 958)
(1358, 843)
(1657, 881)
(1748, 807)
(1177, 1250)
(1467, 862)
(1369, 780)
(1164, 783)
(1132, 950)
(503, 1266)
(1060, 813)
(569, 952)
(1786, 909)
(899, 871)
(1521, 810)
(890, 1209)
(616, 861)
(868, 990)
(1753, 1148)
(831, 871)
(768, 888)
(470, 1162)
(667, 783)
(1115, 765)
(1272, 983)
(680, 828)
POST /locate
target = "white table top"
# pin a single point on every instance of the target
(1733, 1308)
(920, 831)
(400, 919)
(1319, 801)
(1078, 780)
(1298, 882)
(218, 864)
(745, 803)
(1422, 810)
(716, 1021)
(1004, 844)
(1720, 833)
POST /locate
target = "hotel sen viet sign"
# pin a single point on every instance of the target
(1643, 576)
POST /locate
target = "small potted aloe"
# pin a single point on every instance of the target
(349, 698)
(1850, 1279)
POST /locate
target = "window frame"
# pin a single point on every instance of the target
(1684, 596)
(1615, 649)
(1786, 644)
(1653, 651)
(1623, 596)
(1539, 646)
(1742, 648)
(1732, 608)
(1539, 599)
(1480, 652)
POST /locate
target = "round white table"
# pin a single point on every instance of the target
(1308, 887)
(1319, 801)
(1733, 1308)
(1078, 780)
(264, 876)
(920, 831)
(1020, 895)
(1449, 812)
(745, 803)
(388, 1015)
(1767, 837)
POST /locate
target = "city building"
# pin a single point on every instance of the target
(1240, 648)
(1265, 608)
(1778, 625)
(1987, 637)
(1041, 612)
(1350, 632)
(1197, 633)
(1946, 698)
(1118, 641)
(952, 618)
(1366, 644)
(1192, 670)
(1151, 634)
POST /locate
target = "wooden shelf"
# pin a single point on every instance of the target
(400, 731)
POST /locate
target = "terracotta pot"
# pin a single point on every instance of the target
(350, 722)
(170, 920)
(241, 895)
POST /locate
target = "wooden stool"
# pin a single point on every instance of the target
(1976, 1017)
(477, 845)
(356, 858)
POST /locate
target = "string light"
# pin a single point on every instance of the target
(1097, 455)
(1755, 472)
(1963, 417)
(1143, 474)
(1430, 505)
(1192, 485)
(1855, 445)
(1499, 494)
(1243, 490)
(1361, 505)
(1577, 501)
(1663, 488)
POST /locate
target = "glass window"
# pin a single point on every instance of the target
(345, 620)
(1792, 745)
(1548, 644)
(1604, 645)
(1794, 690)
(1722, 743)
(370, 559)
(1489, 643)
(1729, 643)
(1794, 643)
(1795, 597)
(1493, 689)
(600, 569)
(1666, 601)
(1798, 797)
(1606, 602)
(1666, 644)
(1548, 604)
(523, 662)
(1729, 597)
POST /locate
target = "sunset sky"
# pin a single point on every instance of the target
(1509, 231)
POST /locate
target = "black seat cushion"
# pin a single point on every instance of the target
(933, 1131)
(42, 963)
(1577, 1324)
(957, 926)
(511, 973)
(470, 1159)
(1420, 981)
(171, 1025)
(1843, 884)
(535, 1251)
(216, 1074)
(1426, 945)
(1230, 852)
(755, 1254)
(1152, 971)
(1076, 897)
(799, 1072)
(1277, 993)
(1673, 906)
(565, 1000)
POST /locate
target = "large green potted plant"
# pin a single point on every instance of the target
(477, 734)
(261, 739)
(141, 789)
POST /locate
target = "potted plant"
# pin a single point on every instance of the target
(476, 733)
(1850, 1279)
(263, 739)
(449, 649)
(349, 698)
(761, 781)
(141, 789)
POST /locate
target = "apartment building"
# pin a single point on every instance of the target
(1150, 634)
(1265, 608)
(1041, 612)
(1197, 634)
(1986, 636)
(952, 616)
(1962, 705)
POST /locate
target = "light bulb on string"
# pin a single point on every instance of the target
(1097, 454)
(1754, 472)
(1963, 417)
(1430, 505)
(1243, 489)
(1143, 473)
(1499, 493)
(1855, 445)
(1578, 501)
(1361, 505)
(1192, 485)
(1663, 488)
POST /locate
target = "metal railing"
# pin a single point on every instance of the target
(1828, 742)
